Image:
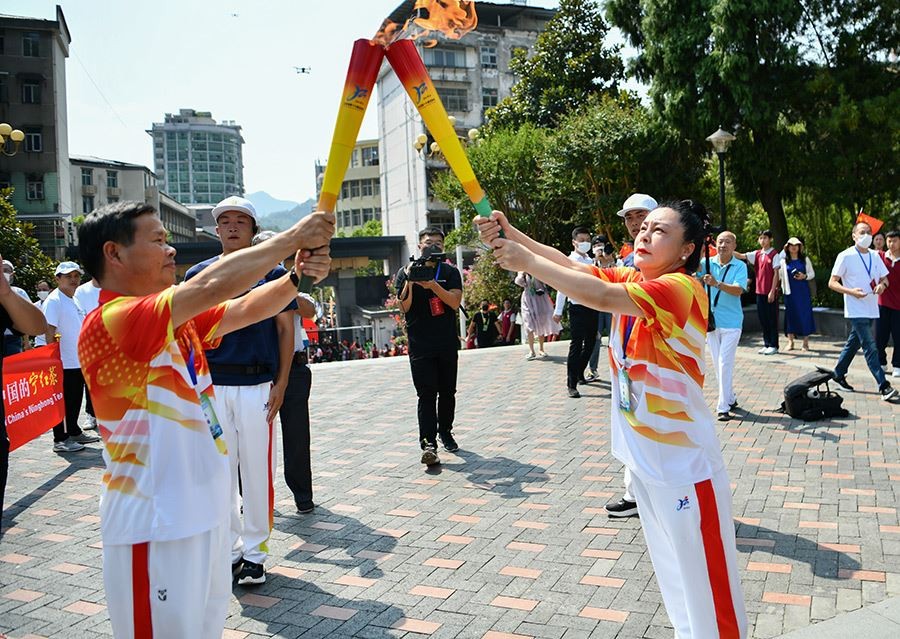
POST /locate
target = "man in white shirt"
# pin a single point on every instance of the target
(860, 276)
(582, 320)
(88, 297)
(43, 292)
(64, 317)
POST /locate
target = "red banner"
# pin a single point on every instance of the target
(32, 393)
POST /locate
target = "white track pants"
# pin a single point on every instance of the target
(251, 451)
(690, 536)
(723, 343)
(171, 589)
(629, 494)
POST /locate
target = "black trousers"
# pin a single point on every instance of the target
(434, 377)
(768, 319)
(73, 394)
(4, 462)
(295, 436)
(583, 326)
(887, 326)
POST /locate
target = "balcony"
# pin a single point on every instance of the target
(88, 189)
(113, 191)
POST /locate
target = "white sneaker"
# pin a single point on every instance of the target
(91, 423)
(763, 350)
(67, 446)
(770, 351)
(896, 373)
(530, 357)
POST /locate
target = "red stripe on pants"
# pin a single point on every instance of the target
(726, 618)
(140, 591)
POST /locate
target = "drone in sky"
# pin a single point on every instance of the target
(306, 70)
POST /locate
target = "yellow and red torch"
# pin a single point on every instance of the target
(407, 64)
(361, 74)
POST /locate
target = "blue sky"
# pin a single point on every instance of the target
(150, 58)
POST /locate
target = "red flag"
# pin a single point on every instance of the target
(32, 393)
(874, 223)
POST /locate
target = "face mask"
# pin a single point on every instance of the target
(864, 241)
(584, 247)
(42, 295)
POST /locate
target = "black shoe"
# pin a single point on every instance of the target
(236, 567)
(583, 380)
(449, 443)
(724, 417)
(842, 382)
(622, 508)
(429, 455)
(573, 393)
(305, 509)
(733, 406)
(251, 574)
(888, 392)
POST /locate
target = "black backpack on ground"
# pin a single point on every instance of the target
(809, 398)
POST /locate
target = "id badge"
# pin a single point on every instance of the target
(437, 306)
(624, 391)
(215, 429)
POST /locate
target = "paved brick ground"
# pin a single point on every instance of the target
(508, 539)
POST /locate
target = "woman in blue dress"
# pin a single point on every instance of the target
(796, 271)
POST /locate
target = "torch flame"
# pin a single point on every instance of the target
(453, 18)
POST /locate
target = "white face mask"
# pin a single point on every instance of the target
(864, 241)
(583, 247)
(42, 295)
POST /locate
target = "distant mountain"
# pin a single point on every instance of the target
(266, 204)
(281, 220)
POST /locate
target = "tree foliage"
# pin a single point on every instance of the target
(487, 281)
(570, 62)
(19, 247)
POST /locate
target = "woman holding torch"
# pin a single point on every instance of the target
(662, 429)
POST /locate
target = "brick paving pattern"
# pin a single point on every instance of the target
(508, 539)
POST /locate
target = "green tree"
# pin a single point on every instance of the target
(793, 79)
(488, 281)
(570, 62)
(19, 247)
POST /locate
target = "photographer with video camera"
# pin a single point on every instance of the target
(430, 292)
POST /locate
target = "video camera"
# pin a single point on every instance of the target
(424, 268)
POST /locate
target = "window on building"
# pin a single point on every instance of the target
(34, 187)
(370, 156)
(376, 186)
(454, 99)
(354, 188)
(357, 217)
(87, 204)
(438, 57)
(488, 98)
(87, 177)
(345, 190)
(4, 86)
(112, 179)
(31, 47)
(34, 141)
(367, 188)
(354, 158)
(378, 213)
(368, 215)
(488, 57)
(31, 92)
(344, 219)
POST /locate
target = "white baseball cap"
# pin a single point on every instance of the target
(637, 202)
(65, 268)
(235, 203)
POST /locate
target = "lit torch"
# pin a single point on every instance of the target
(361, 74)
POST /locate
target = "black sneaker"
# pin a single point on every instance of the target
(236, 567)
(622, 508)
(449, 443)
(305, 509)
(573, 393)
(724, 417)
(842, 382)
(429, 455)
(733, 406)
(888, 392)
(251, 574)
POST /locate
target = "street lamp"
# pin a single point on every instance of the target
(8, 133)
(720, 141)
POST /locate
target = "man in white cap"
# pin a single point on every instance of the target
(250, 371)
(633, 212)
(12, 343)
(64, 317)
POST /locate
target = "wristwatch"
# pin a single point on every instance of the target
(294, 277)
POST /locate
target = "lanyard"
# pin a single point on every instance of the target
(629, 325)
(867, 267)
(190, 364)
